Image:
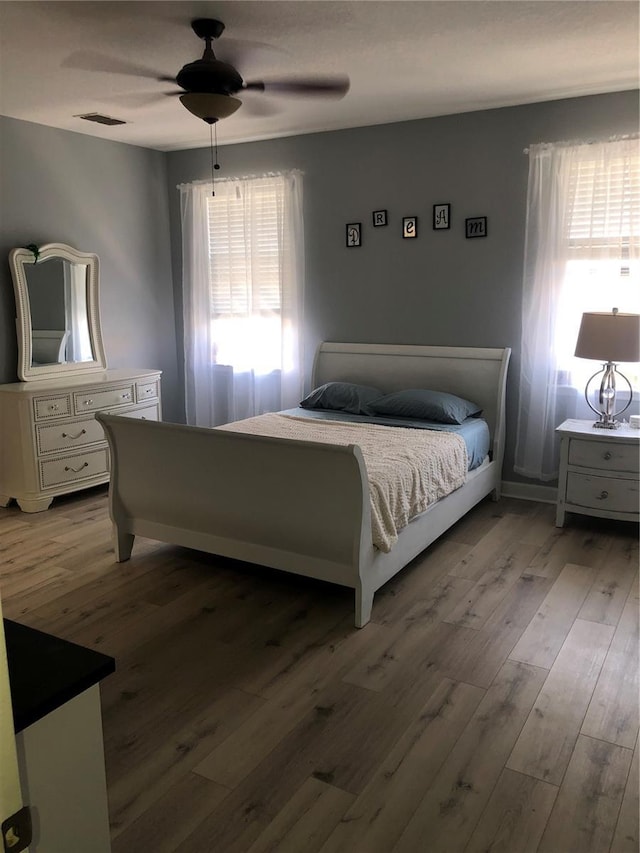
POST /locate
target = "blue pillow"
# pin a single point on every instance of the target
(343, 397)
(426, 405)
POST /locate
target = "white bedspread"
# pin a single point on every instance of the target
(408, 469)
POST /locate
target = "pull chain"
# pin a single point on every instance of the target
(214, 164)
(213, 187)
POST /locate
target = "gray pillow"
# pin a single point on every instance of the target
(426, 405)
(343, 397)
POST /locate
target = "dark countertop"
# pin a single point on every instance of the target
(45, 672)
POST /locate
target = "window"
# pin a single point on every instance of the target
(603, 220)
(243, 289)
(245, 248)
(582, 252)
(593, 286)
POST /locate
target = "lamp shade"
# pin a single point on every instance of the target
(210, 106)
(609, 337)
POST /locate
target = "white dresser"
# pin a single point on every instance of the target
(50, 441)
(598, 471)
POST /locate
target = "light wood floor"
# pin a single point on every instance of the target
(491, 704)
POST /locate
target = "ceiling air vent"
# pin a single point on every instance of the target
(100, 119)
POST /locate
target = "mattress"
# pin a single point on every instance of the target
(408, 470)
(474, 431)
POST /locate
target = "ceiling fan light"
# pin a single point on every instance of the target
(210, 106)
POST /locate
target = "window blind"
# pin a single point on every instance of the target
(604, 206)
(245, 231)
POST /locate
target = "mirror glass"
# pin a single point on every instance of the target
(59, 319)
(56, 291)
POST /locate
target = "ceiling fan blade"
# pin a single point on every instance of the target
(328, 87)
(139, 99)
(87, 60)
(259, 107)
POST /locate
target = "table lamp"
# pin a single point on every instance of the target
(608, 338)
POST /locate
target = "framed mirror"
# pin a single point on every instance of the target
(57, 311)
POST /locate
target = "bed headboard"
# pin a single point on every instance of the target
(477, 374)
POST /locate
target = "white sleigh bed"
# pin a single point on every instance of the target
(213, 489)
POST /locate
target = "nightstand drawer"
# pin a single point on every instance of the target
(604, 455)
(602, 493)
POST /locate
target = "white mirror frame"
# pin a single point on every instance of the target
(19, 260)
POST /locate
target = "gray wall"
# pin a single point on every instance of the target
(102, 197)
(439, 288)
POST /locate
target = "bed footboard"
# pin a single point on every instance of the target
(293, 505)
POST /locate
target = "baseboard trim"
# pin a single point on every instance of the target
(528, 492)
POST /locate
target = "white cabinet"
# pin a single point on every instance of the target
(50, 442)
(598, 471)
(62, 774)
(55, 704)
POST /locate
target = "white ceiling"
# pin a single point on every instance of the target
(405, 60)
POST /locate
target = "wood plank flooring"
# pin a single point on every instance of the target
(491, 706)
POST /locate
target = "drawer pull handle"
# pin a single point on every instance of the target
(88, 402)
(54, 407)
(607, 455)
(603, 495)
(126, 396)
(68, 434)
(75, 470)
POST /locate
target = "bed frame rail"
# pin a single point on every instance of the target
(294, 505)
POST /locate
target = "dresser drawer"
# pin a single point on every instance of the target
(52, 437)
(602, 493)
(147, 391)
(605, 455)
(95, 401)
(145, 413)
(148, 413)
(68, 469)
(45, 408)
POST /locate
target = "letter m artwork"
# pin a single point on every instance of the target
(475, 227)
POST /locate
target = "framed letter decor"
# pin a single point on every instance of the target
(353, 234)
(410, 226)
(441, 216)
(379, 218)
(476, 227)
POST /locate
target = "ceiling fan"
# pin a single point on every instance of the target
(210, 76)
(209, 86)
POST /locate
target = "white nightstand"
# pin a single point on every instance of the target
(598, 471)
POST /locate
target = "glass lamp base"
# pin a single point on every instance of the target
(607, 397)
(606, 425)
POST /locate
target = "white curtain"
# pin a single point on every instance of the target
(240, 363)
(583, 222)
